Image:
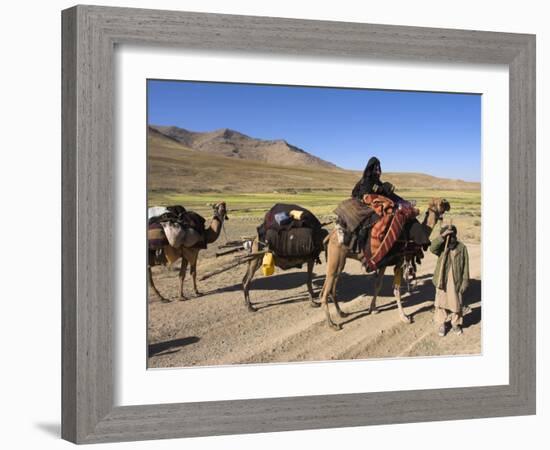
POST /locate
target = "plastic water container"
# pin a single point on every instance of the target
(282, 218)
(268, 264)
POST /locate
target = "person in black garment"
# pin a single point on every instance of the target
(370, 183)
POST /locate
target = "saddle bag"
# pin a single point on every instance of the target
(156, 237)
(291, 243)
(178, 235)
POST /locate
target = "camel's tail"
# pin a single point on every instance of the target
(325, 244)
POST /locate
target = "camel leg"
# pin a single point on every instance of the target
(183, 271)
(335, 253)
(377, 286)
(151, 281)
(193, 272)
(253, 266)
(310, 265)
(341, 266)
(327, 287)
(251, 269)
(397, 277)
(339, 311)
(191, 255)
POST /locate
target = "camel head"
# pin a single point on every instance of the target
(220, 211)
(439, 206)
(436, 208)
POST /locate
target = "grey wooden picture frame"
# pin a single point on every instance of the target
(89, 37)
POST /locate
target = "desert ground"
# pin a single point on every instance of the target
(216, 327)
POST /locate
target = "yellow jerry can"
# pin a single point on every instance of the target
(268, 264)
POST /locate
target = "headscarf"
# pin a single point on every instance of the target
(451, 244)
(368, 173)
(452, 238)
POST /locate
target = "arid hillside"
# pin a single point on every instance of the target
(176, 167)
(232, 144)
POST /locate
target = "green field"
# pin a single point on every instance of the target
(465, 205)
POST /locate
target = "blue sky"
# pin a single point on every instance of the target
(434, 133)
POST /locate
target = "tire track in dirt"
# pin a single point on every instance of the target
(218, 329)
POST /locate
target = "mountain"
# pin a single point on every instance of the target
(232, 144)
(175, 167)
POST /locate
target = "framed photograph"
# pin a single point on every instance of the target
(336, 219)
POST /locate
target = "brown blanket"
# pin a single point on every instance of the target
(352, 212)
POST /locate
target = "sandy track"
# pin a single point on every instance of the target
(218, 329)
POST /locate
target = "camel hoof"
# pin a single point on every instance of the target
(165, 300)
(251, 308)
(314, 304)
(198, 294)
(343, 314)
(183, 298)
(374, 311)
(406, 319)
(336, 326)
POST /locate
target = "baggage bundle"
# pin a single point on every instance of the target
(175, 226)
(292, 231)
(376, 227)
(291, 242)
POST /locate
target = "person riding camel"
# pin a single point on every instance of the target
(370, 183)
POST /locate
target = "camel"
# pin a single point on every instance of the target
(284, 263)
(189, 255)
(337, 254)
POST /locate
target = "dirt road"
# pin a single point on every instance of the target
(216, 328)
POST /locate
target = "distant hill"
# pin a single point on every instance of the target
(175, 167)
(232, 144)
(412, 180)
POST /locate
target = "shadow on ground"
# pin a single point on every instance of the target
(173, 346)
(422, 292)
(352, 286)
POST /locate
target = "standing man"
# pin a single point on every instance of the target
(450, 278)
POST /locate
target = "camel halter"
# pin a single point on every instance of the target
(435, 211)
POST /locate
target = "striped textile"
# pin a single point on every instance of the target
(393, 233)
(380, 247)
(155, 236)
